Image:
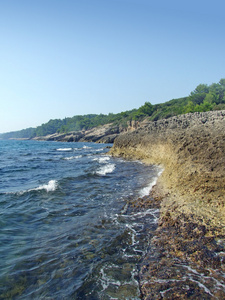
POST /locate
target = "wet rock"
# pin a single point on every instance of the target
(181, 266)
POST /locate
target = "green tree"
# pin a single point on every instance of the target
(222, 82)
(205, 106)
(146, 109)
(201, 88)
(189, 108)
(211, 98)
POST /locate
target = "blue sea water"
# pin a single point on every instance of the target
(66, 229)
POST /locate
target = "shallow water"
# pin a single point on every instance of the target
(67, 230)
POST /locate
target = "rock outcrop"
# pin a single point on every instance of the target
(191, 148)
(186, 259)
(101, 134)
(73, 136)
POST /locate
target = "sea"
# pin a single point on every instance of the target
(67, 227)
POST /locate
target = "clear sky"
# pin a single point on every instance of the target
(60, 58)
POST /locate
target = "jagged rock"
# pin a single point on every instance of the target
(62, 137)
(101, 134)
(108, 139)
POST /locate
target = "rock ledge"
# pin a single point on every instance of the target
(186, 258)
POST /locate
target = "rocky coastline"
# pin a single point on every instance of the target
(102, 134)
(186, 258)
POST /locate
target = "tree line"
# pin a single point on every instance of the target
(203, 98)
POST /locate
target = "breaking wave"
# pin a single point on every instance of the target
(146, 190)
(109, 168)
(102, 159)
(64, 149)
(51, 186)
(72, 157)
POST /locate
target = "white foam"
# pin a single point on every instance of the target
(86, 147)
(146, 190)
(72, 157)
(102, 159)
(109, 168)
(107, 280)
(132, 233)
(49, 187)
(64, 149)
(149, 212)
(202, 286)
(165, 291)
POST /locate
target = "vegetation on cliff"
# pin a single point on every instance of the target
(203, 98)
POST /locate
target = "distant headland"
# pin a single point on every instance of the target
(105, 128)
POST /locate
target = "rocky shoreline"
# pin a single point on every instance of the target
(102, 134)
(186, 259)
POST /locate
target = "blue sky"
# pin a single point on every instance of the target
(60, 58)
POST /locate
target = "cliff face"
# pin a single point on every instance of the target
(191, 149)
